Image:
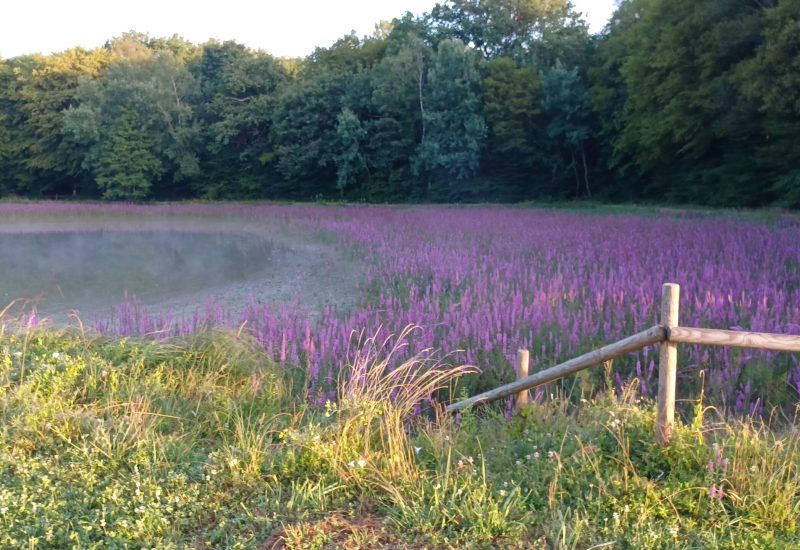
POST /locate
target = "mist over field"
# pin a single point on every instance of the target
(89, 271)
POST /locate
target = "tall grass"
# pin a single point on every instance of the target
(208, 442)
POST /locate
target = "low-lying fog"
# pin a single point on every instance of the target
(174, 267)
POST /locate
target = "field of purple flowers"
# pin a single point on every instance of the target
(483, 281)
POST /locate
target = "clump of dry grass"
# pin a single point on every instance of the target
(378, 393)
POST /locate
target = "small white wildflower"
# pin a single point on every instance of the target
(550, 454)
(361, 462)
(527, 457)
(56, 355)
(519, 463)
(536, 454)
(417, 450)
(502, 492)
(614, 424)
(351, 464)
(17, 354)
(505, 484)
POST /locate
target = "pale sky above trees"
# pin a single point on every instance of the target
(283, 28)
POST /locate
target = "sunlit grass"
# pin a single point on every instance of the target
(207, 442)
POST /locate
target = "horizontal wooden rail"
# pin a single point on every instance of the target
(633, 343)
(741, 339)
(669, 334)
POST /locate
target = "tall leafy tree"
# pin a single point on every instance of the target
(517, 150)
(395, 126)
(126, 165)
(35, 91)
(565, 103)
(349, 159)
(151, 96)
(683, 113)
(304, 133)
(237, 92)
(771, 80)
(532, 31)
(454, 128)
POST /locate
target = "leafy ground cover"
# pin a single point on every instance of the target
(207, 441)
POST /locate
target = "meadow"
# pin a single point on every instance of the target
(272, 427)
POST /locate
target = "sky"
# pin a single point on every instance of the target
(284, 28)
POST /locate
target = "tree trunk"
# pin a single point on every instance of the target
(577, 177)
(585, 172)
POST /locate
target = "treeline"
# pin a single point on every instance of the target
(677, 100)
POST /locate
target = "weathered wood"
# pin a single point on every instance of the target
(523, 397)
(715, 337)
(667, 365)
(633, 343)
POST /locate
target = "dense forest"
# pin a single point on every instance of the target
(686, 101)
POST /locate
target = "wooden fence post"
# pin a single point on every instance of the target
(523, 397)
(667, 365)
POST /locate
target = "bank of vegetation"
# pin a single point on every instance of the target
(207, 442)
(683, 101)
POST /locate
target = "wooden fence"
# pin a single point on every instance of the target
(668, 335)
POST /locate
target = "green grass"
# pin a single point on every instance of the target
(207, 443)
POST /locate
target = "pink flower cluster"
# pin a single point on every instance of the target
(488, 280)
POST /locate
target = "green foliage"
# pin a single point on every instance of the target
(682, 101)
(144, 100)
(236, 101)
(688, 91)
(394, 122)
(36, 157)
(305, 133)
(543, 31)
(125, 165)
(565, 104)
(349, 160)
(205, 442)
(511, 99)
(453, 128)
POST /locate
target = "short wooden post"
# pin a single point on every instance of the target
(667, 365)
(523, 397)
